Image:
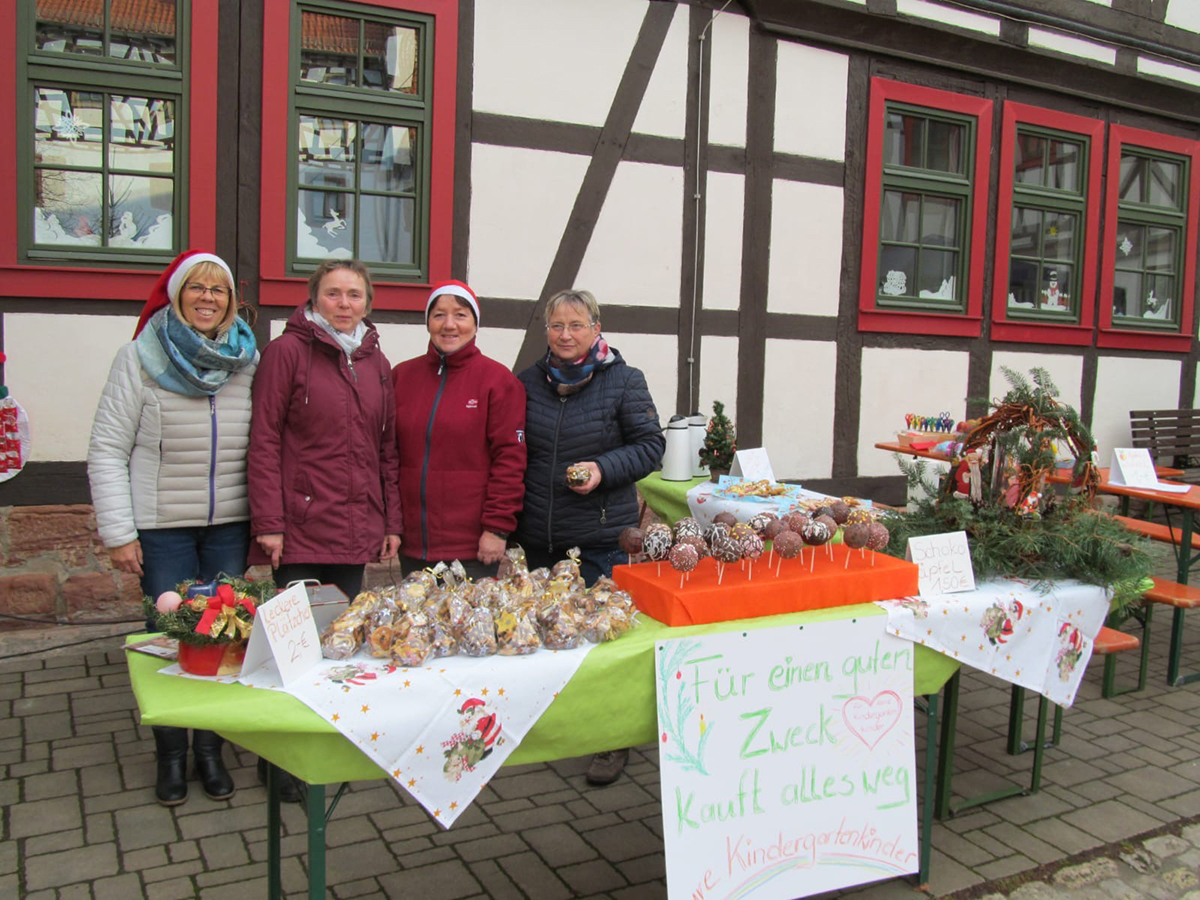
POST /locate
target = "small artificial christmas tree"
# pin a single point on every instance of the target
(720, 441)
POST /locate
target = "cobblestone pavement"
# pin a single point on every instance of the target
(80, 821)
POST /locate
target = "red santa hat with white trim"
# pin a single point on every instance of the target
(171, 280)
(458, 289)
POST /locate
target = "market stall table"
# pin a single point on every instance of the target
(610, 703)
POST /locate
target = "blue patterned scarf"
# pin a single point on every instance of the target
(570, 376)
(183, 361)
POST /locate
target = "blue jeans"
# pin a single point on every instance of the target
(174, 555)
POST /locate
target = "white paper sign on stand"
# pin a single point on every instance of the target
(1133, 467)
(943, 563)
(787, 760)
(752, 465)
(284, 632)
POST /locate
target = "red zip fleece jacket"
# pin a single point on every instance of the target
(322, 461)
(460, 427)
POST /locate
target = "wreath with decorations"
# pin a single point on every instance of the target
(220, 612)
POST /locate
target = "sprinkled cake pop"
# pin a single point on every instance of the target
(854, 536)
(683, 559)
(772, 529)
(752, 548)
(699, 543)
(688, 527)
(788, 545)
(759, 521)
(656, 543)
(724, 550)
(877, 538)
(796, 522)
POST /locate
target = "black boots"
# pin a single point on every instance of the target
(290, 789)
(210, 768)
(170, 785)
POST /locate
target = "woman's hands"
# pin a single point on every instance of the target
(127, 557)
(391, 546)
(593, 482)
(272, 545)
(491, 548)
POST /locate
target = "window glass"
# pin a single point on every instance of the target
(945, 147)
(904, 140)
(137, 30)
(1030, 157)
(329, 49)
(390, 56)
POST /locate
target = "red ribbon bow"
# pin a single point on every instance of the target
(217, 609)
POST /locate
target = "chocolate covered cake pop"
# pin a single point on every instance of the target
(796, 522)
(840, 510)
(855, 535)
(878, 536)
(683, 559)
(630, 541)
(759, 521)
(699, 543)
(815, 532)
(788, 545)
(688, 527)
(656, 541)
(725, 518)
(740, 530)
(772, 529)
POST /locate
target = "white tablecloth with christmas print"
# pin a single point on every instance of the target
(1038, 635)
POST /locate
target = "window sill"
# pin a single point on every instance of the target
(1042, 333)
(76, 283)
(910, 322)
(1173, 342)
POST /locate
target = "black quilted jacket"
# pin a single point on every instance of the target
(611, 422)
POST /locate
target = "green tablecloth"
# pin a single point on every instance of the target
(610, 703)
(668, 499)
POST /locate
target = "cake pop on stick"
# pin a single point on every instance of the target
(877, 538)
(855, 536)
(832, 526)
(788, 545)
(752, 548)
(656, 543)
(815, 534)
(630, 541)
(724, 550)
(683, 559)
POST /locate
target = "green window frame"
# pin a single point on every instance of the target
(360, 136)
(1046, 241)
(101, 135)
(1150, 239)
(925, 209)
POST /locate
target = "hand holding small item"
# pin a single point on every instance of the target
(577, 481)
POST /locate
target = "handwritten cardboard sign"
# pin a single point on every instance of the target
(752, 465)
(1134, 468)
(787, 760)
(943, 561)
(284, 632)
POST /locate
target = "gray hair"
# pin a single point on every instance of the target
(584, 299)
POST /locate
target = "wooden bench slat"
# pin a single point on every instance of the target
(1155, 531)
(1110, 640)
(1172, 593)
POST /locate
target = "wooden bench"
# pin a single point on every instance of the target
(1155, 531)
(1181, 598)
(1171, 433)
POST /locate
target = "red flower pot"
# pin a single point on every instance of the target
(212, 659)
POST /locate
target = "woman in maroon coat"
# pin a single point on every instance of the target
(460, 426)
(322, 466)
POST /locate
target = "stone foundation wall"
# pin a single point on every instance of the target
(55, 569)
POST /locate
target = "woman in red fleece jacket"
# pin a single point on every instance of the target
(460, 428)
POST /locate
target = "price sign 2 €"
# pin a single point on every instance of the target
(284, 631)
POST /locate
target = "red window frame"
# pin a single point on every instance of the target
(276, 287)
(102, 282)
(1127, 338)
(1004, 329)
(870, 316)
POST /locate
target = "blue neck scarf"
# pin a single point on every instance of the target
(183, 361)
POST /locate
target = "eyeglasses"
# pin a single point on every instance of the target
(199, 290)
(575, 327)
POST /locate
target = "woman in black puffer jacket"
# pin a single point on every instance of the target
(585, 407)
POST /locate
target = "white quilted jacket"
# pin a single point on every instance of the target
(158, 459)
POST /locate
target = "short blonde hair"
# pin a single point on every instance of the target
(209, 273)
(584, 299)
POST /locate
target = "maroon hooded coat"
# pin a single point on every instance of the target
(460, 425)
(322, 467)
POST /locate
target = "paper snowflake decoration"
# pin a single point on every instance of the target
(1126, 245)
(895, 283)
(70, 127)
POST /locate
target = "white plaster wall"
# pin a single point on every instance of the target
(1183, 14)
(1150, 66)
(1065, 371)
(656, 355)
(552, 59)
(724, 214)
(718, 374)
(922, 9)
(806, 248)
(520, 202)
(798, 423)
(1072, 46)
(664, 106)
(1125, 383)
(730, 73)
(896, 382)
(401, 342)
(810, 101)
(633, 256)
(59, 391)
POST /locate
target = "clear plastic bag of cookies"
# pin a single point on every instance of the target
(515, 635)
(512, 562)
(479, 635)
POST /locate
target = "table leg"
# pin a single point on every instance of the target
(945, 760)
(274, 826)
(927, 796)
(1184, 557)
(316, 841)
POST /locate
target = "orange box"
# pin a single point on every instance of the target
(831, 582)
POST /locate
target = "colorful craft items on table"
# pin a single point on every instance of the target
(439, 612)
(945, 422)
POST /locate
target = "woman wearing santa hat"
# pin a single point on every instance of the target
(324, 499)
(167, 463)
(460, 427)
